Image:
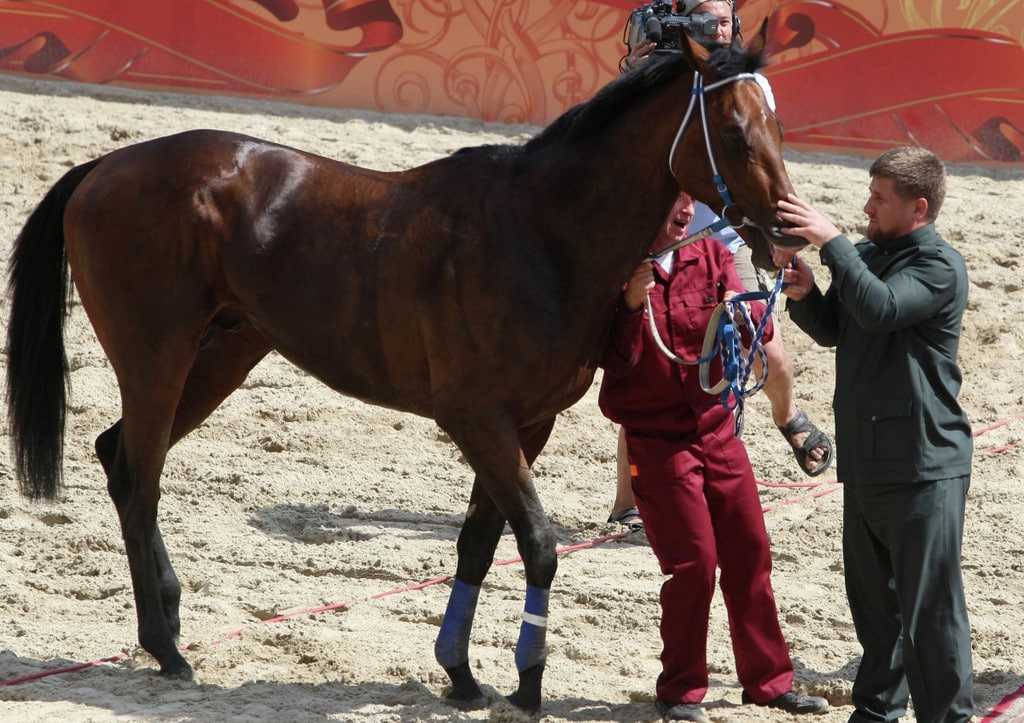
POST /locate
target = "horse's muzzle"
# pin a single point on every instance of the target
(771, 248)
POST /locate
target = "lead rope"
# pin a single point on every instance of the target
(722, 339)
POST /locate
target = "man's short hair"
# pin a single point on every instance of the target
(916, 173)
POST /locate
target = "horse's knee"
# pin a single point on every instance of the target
(540, 559)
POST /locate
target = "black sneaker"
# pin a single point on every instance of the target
(682, 711)
(793, 703)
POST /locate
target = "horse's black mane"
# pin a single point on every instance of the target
(582, 122)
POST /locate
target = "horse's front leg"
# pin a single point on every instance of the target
(540, 563)
(503, 490)
(478, 539)
(155, 586)
(536, 543)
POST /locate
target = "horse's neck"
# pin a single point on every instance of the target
(612, 200)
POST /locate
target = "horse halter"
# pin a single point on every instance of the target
(697, 96)
(721, 337)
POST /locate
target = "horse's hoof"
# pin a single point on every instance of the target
(465, 692)
(524, 703)
(527, 697)
(178, 670)
(466, 704)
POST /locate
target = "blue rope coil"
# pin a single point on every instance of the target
(723, 340)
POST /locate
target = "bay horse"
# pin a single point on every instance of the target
(477, 290)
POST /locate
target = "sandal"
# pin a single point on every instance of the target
(800, 424)
(629, 517)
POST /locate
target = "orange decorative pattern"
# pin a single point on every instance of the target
(948, 76)
(849, 77)
(499, 60)
(256, 47)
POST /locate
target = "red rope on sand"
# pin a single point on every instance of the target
(833, 485)
(997, 425)
(1003, 706)
(71, 669)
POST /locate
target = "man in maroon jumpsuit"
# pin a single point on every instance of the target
(694, 485)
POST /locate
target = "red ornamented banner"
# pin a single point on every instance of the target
(849, 77)
(207, 44)
(957, 91)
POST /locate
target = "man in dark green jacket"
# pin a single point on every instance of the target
(893, 311)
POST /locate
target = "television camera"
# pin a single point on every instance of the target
(658, 22)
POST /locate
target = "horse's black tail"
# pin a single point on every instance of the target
(37, 367)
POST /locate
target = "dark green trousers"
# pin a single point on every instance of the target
(901, 550)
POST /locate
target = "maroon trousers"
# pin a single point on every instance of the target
(698, 499)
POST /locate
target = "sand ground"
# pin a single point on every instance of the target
(291, 497)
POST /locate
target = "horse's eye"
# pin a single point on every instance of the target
(734, 141)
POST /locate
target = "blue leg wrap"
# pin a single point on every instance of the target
(532, 649)
(452, 646)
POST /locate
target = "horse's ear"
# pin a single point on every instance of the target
(697, 53)
(759, 41)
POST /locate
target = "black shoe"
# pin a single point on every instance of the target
(682, 711)
(793, 703)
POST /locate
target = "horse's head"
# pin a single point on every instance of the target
(744, 138)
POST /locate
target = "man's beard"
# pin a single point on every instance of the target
(877, 235)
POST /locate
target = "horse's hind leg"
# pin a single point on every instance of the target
(170, 589)
(485, 521)
(216, 372)
(139, 447)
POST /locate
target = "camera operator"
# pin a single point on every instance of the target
(811, 447)
(721, 10)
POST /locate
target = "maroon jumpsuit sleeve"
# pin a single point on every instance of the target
(626, 342)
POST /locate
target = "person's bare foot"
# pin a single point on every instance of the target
(812, 449)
